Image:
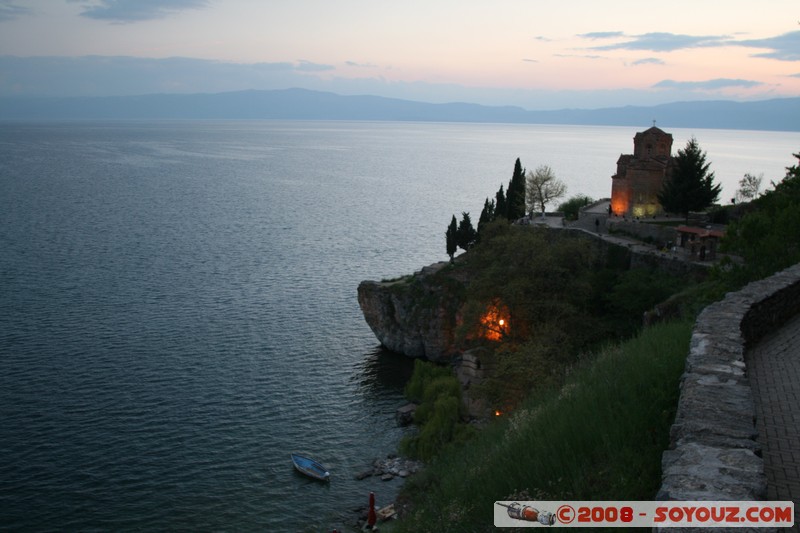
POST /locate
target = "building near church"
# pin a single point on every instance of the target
(641, 175)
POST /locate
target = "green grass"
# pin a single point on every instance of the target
(600, 437)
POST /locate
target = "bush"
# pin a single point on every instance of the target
(600, 437)
(572, 207)
(768, 236)
(537, 364)
(424, 374)
(439, 414)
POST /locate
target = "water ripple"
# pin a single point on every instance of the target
(178, 311)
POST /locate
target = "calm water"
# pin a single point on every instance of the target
(178, 303)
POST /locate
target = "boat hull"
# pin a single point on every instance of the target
(310, 467)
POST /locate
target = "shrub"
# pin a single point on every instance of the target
(572, 207)
(439, 414)
(768, 237)
(600, 437)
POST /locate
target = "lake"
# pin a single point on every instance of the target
(178, 303)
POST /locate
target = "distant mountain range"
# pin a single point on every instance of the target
(300, 104)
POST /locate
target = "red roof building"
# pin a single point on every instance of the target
(701, 243)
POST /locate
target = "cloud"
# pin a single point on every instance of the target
(656, 42)
(648, 61)
(528, 60)
(284, 66)
(122, 11)
(10, 11)
(359, 65)
(719, 83)
(784, 47)
(580, 56)
(120, 75)
(308, 66)
(602, 35)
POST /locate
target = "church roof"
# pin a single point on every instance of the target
(654, 131)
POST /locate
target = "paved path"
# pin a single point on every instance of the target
(773, 366)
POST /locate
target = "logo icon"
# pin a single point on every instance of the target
(527, 513)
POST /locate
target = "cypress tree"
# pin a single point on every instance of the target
(500, 209)
(487, 215)
(515, 200)
(451, 236)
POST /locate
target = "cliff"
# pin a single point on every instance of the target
(418, 315)
(415, 315)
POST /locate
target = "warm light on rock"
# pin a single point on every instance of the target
(495, 322)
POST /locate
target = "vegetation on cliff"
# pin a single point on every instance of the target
(765, 232)
(534, 301)
(598, 437)
(439, 413)
(557, 298)
(587, 412)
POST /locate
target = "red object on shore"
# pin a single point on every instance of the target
(371, 517)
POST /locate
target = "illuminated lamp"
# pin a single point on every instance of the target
(495, 322)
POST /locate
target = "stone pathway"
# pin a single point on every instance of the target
(773, 366)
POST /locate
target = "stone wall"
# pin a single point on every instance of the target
(640, 255)
(656, 233)
(714, 453)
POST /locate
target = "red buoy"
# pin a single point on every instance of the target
(371, 517)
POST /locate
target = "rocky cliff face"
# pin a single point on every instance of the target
(415, 315)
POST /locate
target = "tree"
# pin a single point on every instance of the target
(466, 234)
(749, 187)
(515, 197)
(487, 215)
(451, 236)
(542, 187)
(768, 238)
(691, 186)
(572, 207)
(500, 204)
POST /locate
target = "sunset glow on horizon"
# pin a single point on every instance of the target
(694, 50)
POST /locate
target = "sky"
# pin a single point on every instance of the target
(535, 54)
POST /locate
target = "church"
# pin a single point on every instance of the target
(641, 175)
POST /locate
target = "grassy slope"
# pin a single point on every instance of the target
(598, 438)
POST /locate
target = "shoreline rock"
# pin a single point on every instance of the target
(415, 315)
(405, 415)
(391, 467)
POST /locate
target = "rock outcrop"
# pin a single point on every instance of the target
(471, 372)
(416, 315)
